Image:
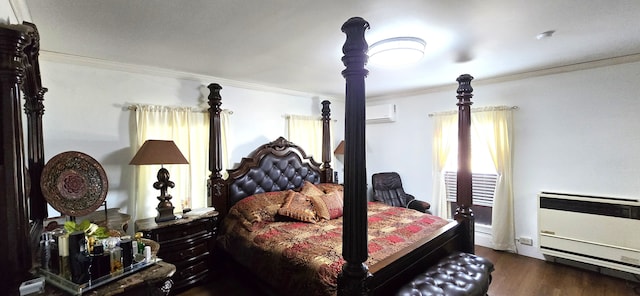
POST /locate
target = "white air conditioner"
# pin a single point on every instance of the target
(601, 231)
(380, 113)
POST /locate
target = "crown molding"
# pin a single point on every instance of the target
(57, 57)
(632, 58)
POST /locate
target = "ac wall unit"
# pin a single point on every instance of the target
(600, 231)
(380, 113)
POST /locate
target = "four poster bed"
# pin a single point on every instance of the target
(252, 199)
(288, 225)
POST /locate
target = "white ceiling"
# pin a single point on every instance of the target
(296, 44)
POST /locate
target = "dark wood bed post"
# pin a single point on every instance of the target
(327, 171)
(352, 280)
(14, 216)
(34, 108)
(215, 186)
(464, 214)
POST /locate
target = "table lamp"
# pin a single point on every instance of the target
(161, 152)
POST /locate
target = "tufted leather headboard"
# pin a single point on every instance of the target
(276, 166)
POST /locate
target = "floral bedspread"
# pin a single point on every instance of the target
(299, 258)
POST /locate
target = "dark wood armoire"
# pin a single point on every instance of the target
(22, 205)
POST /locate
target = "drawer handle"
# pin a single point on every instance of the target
(187, 271)
(189, 252)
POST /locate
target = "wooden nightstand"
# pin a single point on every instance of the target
(187, 243)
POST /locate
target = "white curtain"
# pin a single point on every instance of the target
(494, 126)
(189, 129)
(445, 141)
(306, 132)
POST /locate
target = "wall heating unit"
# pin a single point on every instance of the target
(600, 231)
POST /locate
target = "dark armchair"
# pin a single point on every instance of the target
(387, 188)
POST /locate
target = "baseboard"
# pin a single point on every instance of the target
(483, 239)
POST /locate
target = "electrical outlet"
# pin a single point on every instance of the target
(527, 241)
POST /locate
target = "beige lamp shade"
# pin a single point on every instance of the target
(340, 149)
(161, 152)
(158, 152)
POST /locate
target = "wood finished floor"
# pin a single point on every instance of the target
(514, 276)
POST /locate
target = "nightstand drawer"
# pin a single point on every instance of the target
(184, 253)
(181, 232)
(190, 271)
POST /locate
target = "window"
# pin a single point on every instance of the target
(483, 179)
(484, 190)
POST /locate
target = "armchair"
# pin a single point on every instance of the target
(387, 188)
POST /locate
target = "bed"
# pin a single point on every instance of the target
(258, 235)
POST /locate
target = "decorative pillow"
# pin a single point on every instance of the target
(298, 206)
(259, 208)
(309, 189)
(329, 187)
(334, 203)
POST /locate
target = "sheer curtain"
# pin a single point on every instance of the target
(494, 126)
(445, 140)
(189, 129)
(306, 132)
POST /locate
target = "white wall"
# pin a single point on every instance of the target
(7, 16)
(85, 110)
(575, 132)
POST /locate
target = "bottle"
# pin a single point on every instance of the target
(116, 260)
(140, 244)
(100, 263)
(127, 252)
(79, 259)
(147, 254)
(63, 256)
(54, 262)
(46, 240)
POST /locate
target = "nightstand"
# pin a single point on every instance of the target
(187, 243)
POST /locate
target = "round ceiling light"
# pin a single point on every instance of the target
(396, 51)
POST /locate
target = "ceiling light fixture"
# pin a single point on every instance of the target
(396, 51)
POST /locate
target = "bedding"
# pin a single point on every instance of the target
(305, 258)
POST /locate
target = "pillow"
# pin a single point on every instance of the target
(259, 208)
(298, 206)
(329, 187)
(309, 189)
(327, 199)
(334, 203)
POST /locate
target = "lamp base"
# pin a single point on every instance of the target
(165, 214)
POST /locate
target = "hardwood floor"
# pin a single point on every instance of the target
(514, 276)
(526, 276)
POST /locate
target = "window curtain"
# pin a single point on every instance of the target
(189, 129)
(306, 132)
(494, 126)
(445, 140)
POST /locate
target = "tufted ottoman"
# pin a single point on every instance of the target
(457, 274)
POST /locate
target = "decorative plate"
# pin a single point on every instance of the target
(74, 183)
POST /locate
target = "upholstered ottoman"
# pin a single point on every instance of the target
(458, 274)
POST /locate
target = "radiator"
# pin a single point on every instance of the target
(601, 231)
